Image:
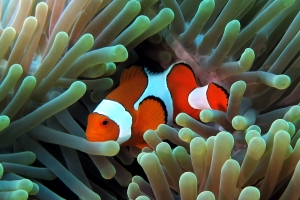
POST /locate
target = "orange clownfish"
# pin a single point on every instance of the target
(144, 100)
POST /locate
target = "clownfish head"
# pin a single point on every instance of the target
(109, 121)
(101, 128)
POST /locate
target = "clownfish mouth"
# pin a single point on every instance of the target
(94, 137)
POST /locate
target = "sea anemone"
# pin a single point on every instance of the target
(60, 58)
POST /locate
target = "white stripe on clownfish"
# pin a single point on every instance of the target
(157, 87)
(193, 98)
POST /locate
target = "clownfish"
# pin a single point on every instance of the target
(143, 100)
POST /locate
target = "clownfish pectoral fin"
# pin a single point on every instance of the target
(211, 96)
(134, 72)
(151, 113)
(142, 145)
(217, 97)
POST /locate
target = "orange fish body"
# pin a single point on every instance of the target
(144, 100)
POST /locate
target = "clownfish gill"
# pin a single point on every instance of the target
(144, 100)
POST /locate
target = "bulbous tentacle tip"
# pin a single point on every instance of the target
(282, 81)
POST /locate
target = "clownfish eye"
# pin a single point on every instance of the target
(104, 122)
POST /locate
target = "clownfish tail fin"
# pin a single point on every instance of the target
(211, 96)
(217, 97)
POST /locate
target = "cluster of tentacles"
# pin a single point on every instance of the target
(59, 59)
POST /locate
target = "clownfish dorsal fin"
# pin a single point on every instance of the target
(151, 113)
(132, 73)
(181, 82)
(217, 97)
(181, 73)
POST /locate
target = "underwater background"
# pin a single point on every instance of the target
(60, 58)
